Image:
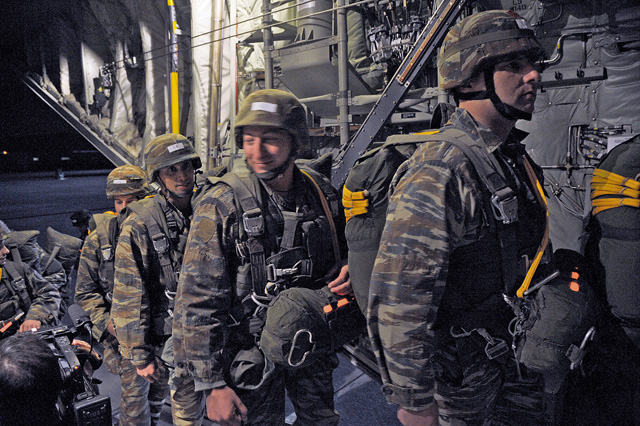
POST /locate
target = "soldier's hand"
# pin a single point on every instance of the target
(149, 372)
(225, 408)
(29, 325)
(428, 417)
(342, 284)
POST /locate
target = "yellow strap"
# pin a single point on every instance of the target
(355, 203)
(334, 232)
(604, 176)
(356, 195)
(545, 239)
(603, 204)
(599, 190)
(348, 204)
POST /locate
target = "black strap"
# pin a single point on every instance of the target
(17, 283)
(155, 222)
(252, 226)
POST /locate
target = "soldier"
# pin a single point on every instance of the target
(148, 258)
(27, 300)
(450, 248)
(94, 293)
(261, 231)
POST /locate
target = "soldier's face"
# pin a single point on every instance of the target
(266, 148)
(122, 201)
(178, 178)
(516, 83)
(4, 251)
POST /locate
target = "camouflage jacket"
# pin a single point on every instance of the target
(436, 206)
(92, 288)
(208, 290)
(44, 297)
(140, 306)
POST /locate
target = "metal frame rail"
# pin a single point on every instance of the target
(411, 66)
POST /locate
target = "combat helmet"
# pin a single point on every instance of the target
(127, 180)
(277, 109)
(273, 108)
(478, 42)
(166, 150)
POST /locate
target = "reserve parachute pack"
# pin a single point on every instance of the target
(555, 319)
(615, 194)
(302, 324)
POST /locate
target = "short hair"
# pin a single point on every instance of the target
(30, 381)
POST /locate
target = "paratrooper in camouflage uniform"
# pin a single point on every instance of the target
(147, 264)
(435, 301)
(27, 300)
(218, 312)
(139, 401)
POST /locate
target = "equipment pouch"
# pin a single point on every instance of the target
(9, 308)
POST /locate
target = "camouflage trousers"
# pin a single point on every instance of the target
(187, 405)
(140, 401)
(310, 390)
(472, 390)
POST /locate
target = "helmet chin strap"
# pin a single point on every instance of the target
(274, 173)
(507, 111)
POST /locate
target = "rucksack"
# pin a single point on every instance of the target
(365, 199)
(545, 343)
(615, 194)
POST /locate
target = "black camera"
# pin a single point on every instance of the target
(79, 402)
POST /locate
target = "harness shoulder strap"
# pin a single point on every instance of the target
(17, 283)
(316, 180)
(155, 222)
(252, 225)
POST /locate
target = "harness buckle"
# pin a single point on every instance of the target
(160, 243)
(305, 345)
(301, 267)
(505, 205)
(107, 253)
(496, 348)
(253, 223)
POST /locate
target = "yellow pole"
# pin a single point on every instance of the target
(173, 83)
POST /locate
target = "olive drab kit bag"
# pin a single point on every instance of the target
(65, 248)
(554, 316)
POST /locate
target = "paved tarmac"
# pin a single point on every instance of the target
(36, 201)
